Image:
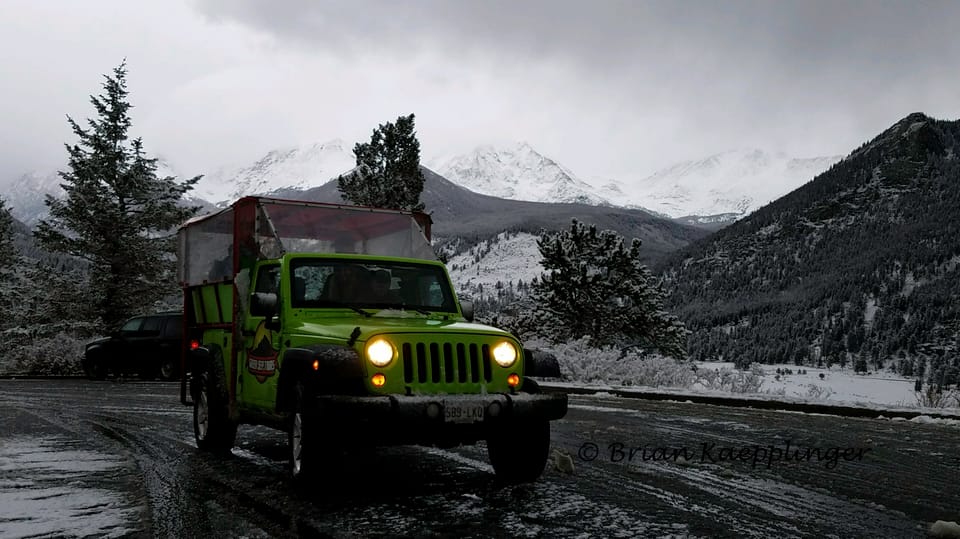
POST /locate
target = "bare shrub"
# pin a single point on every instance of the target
(819, 392)
(46, 355)
(934, 397)
(580, 362)
(733, 381)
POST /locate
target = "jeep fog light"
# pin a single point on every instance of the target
(378, 380)
(513, 380)
(380, 352)
(504, 354)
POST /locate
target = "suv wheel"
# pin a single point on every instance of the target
(168, 371)
(95, 369)
(212, 427)
(518, 450)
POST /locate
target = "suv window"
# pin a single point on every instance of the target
(132, 325)
(152, 325)
(174, 327)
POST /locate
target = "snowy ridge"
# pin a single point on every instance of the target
(517, 172)
(720, 187)
(300, 167)
(735, 182)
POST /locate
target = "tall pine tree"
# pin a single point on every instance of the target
(9, 261)
(8, 251)
(388, 171)
(118, 215)
(595, 286)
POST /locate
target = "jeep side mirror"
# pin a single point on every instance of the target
(467, 308)
(263, 304)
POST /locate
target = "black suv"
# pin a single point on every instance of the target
(147, 345)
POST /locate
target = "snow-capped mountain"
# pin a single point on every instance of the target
(731, 183)
(724, 186)
(299, 167)
(718, 188)
(516, 172)
(26, 194)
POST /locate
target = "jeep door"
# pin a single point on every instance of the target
(258, 353)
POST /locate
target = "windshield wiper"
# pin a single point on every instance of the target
(337, 304)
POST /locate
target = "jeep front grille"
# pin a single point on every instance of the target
(445, 363)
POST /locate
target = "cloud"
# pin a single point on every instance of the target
(612, 89)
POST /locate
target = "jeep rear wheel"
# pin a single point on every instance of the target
(212, 427)
(518, 450)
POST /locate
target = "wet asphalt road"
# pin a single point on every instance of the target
(118, 459)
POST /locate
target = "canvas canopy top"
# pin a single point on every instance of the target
(217, 246)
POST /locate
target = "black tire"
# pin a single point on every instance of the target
(518, 450)
(147, 372)
(303, 441)
(168, 369)
(95, 369)
(212, 427)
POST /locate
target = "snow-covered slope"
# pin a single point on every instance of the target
(516, 172)
(300, 167)
(735, 182)
(508, 258)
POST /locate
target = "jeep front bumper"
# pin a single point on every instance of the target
(437, 409)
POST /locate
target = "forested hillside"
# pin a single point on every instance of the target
(858, 267)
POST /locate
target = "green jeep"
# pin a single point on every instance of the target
(338, 325)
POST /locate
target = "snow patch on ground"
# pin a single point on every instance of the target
(43, 491)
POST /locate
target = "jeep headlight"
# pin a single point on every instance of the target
(505, 354)
(380, 352)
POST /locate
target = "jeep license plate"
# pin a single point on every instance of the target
(456, 413)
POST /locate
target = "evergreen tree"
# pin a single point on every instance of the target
(388, 171)
(595, 286)
(118, 215)
(8, 251)
(9, 260)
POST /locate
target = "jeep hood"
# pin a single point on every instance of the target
(341, 328)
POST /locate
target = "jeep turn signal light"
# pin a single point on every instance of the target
(378, 380)
(316, 364)
(194, 344)
(513, 380)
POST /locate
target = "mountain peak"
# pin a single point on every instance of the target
(517, 171)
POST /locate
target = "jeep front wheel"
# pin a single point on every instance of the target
(303, 443)
(212, 427)
(518, 450)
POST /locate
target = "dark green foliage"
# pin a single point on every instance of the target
(117, 215)
(596, 286)
(8, 251)
(860, 266)
(388, 169)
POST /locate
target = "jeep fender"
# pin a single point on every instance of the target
(338, 370)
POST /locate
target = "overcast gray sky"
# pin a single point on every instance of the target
(608, 88)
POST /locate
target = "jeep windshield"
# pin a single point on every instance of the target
(318, 283)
